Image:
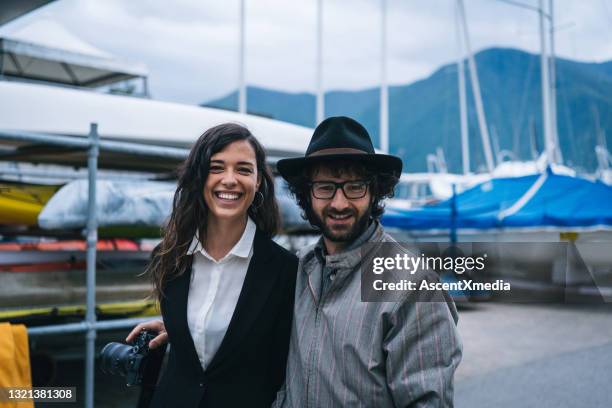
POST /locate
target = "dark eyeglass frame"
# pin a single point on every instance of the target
(339, 186)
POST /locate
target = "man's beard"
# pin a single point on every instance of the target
(359, 225)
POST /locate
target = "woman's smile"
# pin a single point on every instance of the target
(230, 197)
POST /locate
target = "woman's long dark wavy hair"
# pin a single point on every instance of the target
(190, 212)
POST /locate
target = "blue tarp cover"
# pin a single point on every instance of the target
(560, 201)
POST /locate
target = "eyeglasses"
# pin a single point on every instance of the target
(352, 189)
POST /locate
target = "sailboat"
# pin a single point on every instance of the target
(537, 203)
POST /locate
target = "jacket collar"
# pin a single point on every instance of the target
(352, 256)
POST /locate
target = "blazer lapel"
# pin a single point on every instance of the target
(258, 283)
(176, 309)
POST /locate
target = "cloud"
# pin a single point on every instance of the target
(191, 48)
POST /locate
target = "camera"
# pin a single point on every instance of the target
(128, 361)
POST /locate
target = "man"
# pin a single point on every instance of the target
(345, 352)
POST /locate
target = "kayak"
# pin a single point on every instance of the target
(20, 204)
(68, 254)
(136, 308)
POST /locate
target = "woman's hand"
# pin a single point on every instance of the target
(152, 325)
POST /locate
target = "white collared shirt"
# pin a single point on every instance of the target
(214, 290)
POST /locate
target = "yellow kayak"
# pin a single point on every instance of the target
(138, 308)
(20, 204)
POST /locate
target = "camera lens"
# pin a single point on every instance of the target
(115, 358)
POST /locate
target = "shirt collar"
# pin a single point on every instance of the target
(242, 248)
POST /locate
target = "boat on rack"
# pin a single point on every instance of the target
(56, 87)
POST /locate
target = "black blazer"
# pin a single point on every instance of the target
(249, 367)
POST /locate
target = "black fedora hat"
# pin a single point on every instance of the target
(336, 138)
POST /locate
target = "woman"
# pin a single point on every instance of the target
(225, 288)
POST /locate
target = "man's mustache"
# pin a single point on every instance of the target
(338, 213)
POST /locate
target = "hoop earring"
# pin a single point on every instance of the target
(261, 200)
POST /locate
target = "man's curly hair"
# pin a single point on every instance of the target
(382, 184)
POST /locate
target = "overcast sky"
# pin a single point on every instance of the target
(191, 46)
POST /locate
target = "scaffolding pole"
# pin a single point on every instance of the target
(92, 241)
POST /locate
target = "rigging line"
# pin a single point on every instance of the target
(569, 128)
(525, 198)
(447, 115)
(523, 103)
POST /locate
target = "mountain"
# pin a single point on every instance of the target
(424, 115)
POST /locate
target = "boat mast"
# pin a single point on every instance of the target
(546, 87)
(482, 120)
(465, 142)
(553, 85)
(384, 90)
(320, 94)
(549, 94)
(242, 102)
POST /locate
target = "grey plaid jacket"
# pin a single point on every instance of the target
(348, 353)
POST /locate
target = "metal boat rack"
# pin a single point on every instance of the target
(34, 143)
